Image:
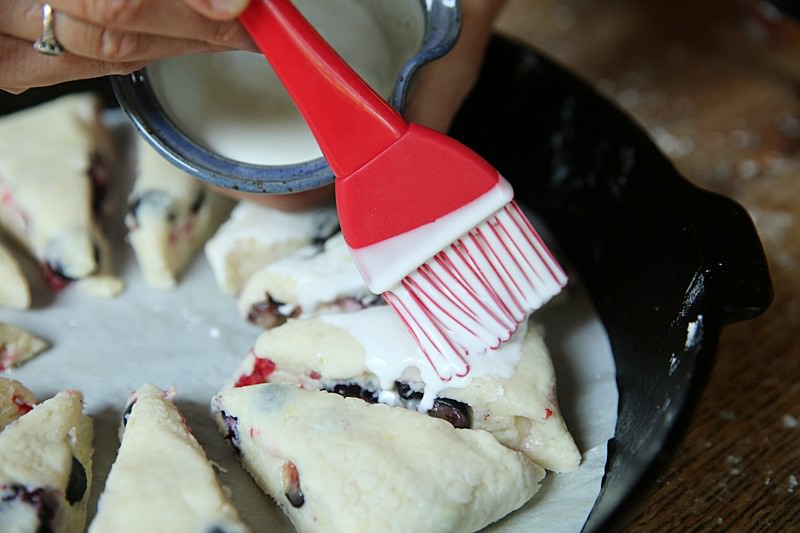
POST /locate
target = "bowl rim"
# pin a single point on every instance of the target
(138, 100)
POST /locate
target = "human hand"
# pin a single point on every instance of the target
(102, 37)
(443, 85)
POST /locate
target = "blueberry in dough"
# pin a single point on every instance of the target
(76, 487)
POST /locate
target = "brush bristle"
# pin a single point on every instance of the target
(473, 296)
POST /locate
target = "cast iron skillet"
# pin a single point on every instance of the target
(655, 253)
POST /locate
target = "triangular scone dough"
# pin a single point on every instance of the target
(161, 479)
(256, 235)
(17, 346)
(15, 291)
(46, 468)
(525, 415)
(170, 216)
(15, 401)
(521, 411)
(54, 168)
(339, 464)
(51, 180)
(311, 280)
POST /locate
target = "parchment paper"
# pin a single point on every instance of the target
(193, 338)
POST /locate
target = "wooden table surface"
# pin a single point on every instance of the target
(719, 90)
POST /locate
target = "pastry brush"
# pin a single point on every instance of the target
(430, 224)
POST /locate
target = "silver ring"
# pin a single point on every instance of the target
(48, 44)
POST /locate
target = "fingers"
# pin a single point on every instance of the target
(219, 9)
(113, 45)
(104, 44)
(444, 84)
(93, 49)
(22, 68)
(168, 18)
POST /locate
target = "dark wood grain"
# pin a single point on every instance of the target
(717, 85)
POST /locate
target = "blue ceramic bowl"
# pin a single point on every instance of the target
(435, 25)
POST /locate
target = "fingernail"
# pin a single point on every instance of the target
(229, 7)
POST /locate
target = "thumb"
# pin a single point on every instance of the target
(219, 9)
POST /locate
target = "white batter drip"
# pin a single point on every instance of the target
(390, 351)
(309, 278)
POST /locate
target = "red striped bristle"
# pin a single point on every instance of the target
(473, 296)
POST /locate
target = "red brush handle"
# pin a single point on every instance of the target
(350, 121)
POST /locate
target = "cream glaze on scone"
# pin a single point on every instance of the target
(46, 468)
(305, 283)
(255, 235)
(339, 464)
(15, 291)
(161, 479)
(327, 353)
(15, 400)
(170, 216)
(18, 346)
(52, 183)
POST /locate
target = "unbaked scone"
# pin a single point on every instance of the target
(55, 165)
(345, 352)
(170, 216)
(255, 235)
(15, 290)
(46, 468)
(161, 480)
(15, 400)
(311, 280)
(337, 464)
(18, 346)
